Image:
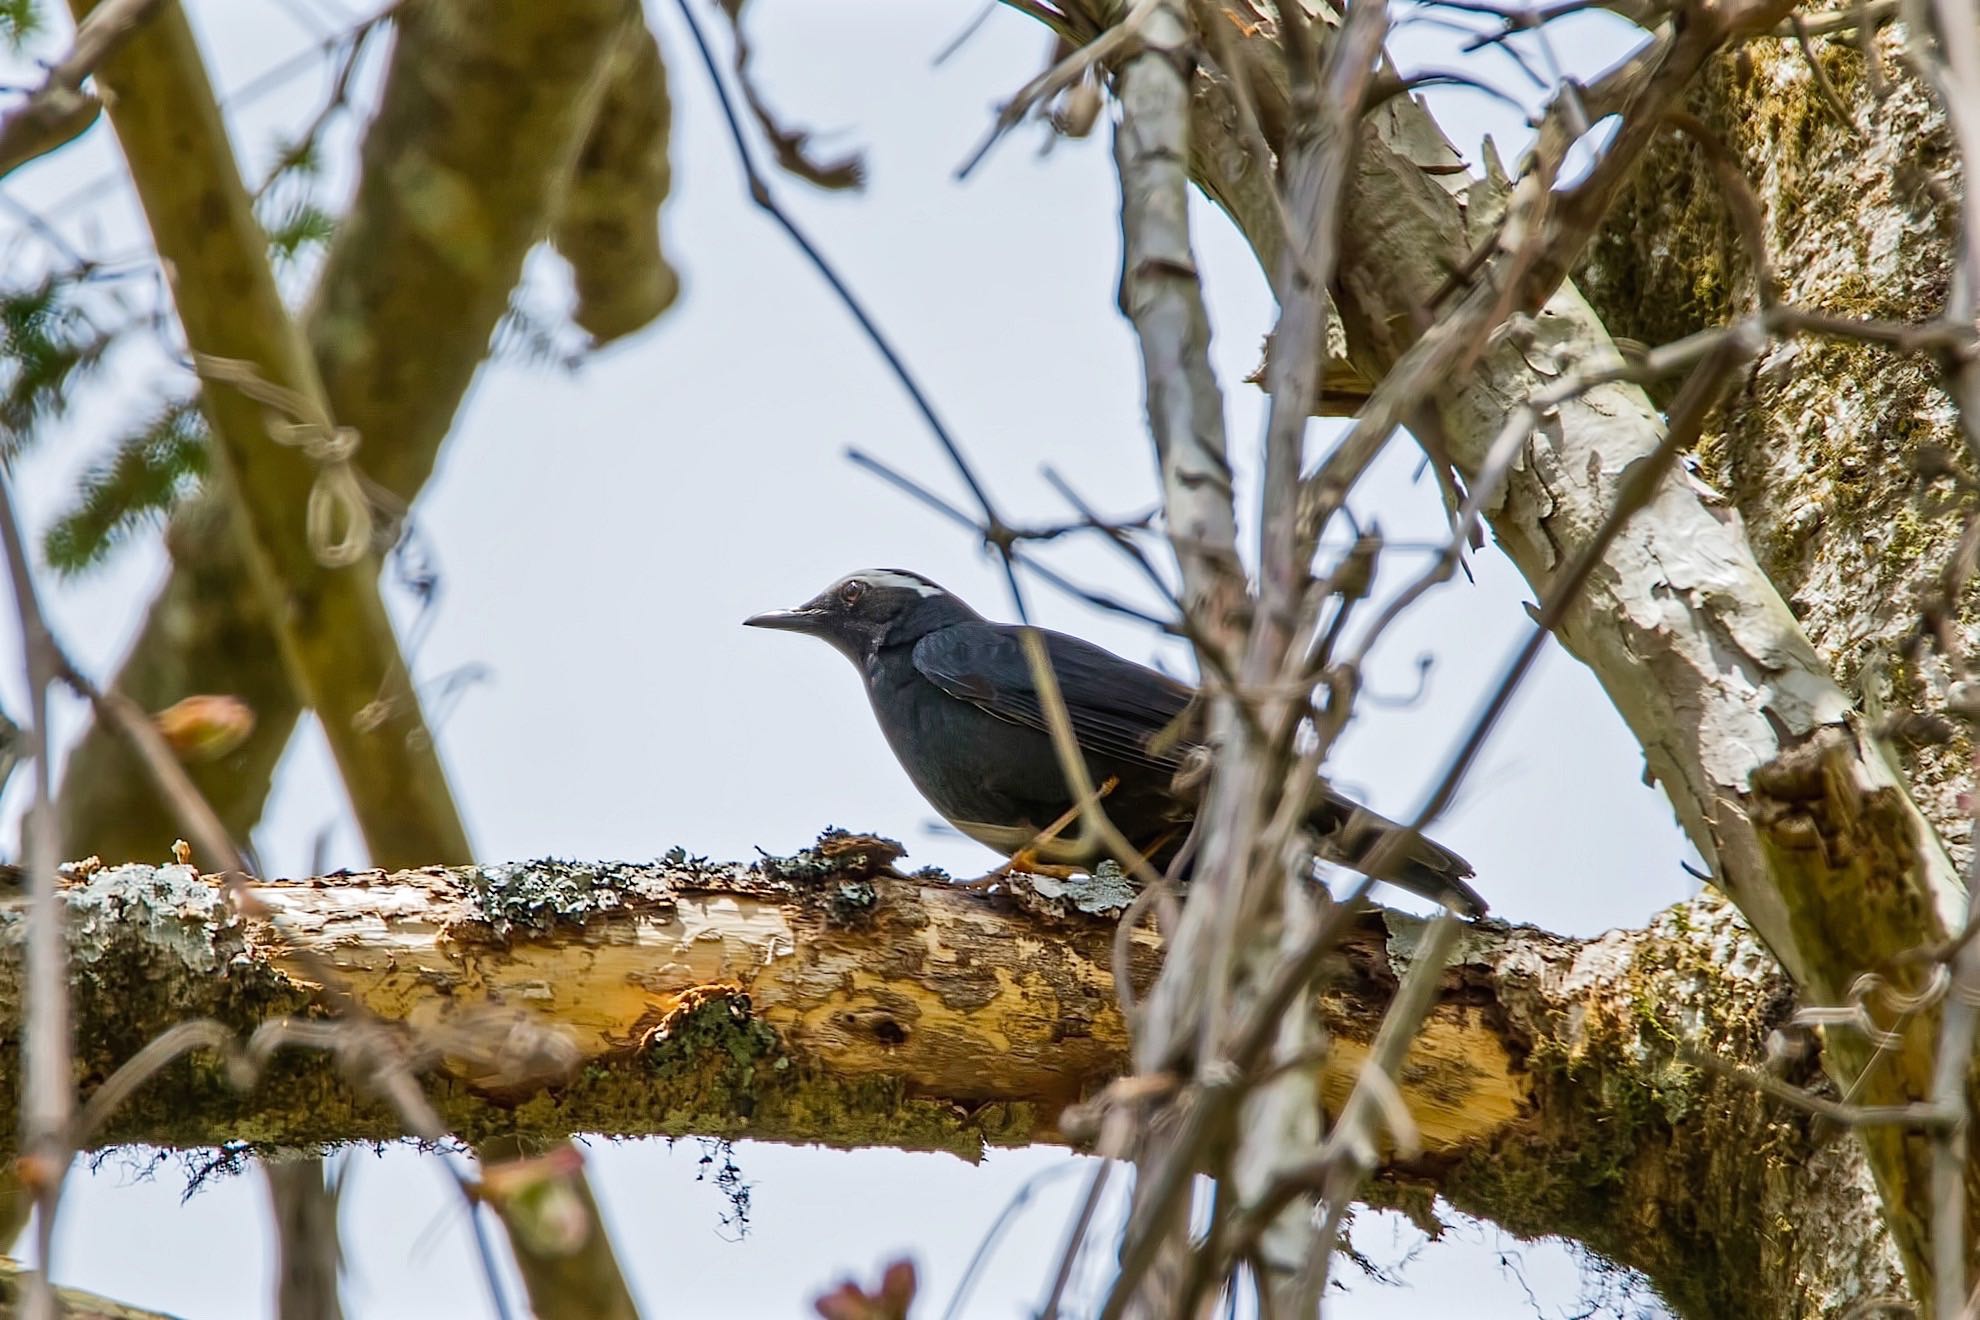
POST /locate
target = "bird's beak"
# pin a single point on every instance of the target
(803, 621)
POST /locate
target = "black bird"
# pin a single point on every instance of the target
(954, 694)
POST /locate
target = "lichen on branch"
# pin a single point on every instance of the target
(829, 998)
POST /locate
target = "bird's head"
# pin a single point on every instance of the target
(864, 611)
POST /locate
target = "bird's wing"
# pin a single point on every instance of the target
(1117, 708)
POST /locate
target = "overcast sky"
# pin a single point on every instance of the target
(600, 535)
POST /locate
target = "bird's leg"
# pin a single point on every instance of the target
(1025, 860)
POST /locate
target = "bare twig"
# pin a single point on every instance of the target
(1161, 295)
(1924, 1117)
(1262, 920)
(1352, 1148)
(1045, 572)
(1082, 1223)
(1012, 1208)
(1068, 71)
(1636, 487)
(48, 1097)
(787, 145)
(1830, 96)
(59, 110)
(761, 196)
(1860, 16)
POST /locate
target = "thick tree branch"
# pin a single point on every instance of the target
(1830, 453)
(484, 109)
(821, 998)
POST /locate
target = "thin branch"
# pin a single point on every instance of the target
(1067, 72)
(1637, 486)
(761, 196)
(1857, 17)
(1082, 1223)
(59, 111)
(1923, 1117)
(1051, 576)
(1161, 295)
(48, 1097)
(1352, 1149)
(1012, 1207)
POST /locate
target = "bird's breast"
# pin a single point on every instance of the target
(992, 779)
(998, 781)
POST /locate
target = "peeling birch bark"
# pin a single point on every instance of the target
(1818, 455)
(824, 999)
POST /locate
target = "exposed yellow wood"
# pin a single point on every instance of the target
(929, 986)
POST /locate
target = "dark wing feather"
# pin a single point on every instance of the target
(1118, 708)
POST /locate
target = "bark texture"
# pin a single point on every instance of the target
(825, 998)
(1820, 453)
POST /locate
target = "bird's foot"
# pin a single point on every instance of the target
(1026, 863)
(989, 881)
(1023, 862)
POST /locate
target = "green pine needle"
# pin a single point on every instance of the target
(20, 22)
(150, 473)
(301, 226)
(47, 344)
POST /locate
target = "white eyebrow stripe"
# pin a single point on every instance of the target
(887, 577)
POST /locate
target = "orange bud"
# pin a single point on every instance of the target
(205, 727)
(891, 1301)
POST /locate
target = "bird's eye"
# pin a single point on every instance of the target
(852, 591)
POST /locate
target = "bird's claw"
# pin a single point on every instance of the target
(1023, 862)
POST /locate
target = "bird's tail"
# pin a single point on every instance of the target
(1352, 835)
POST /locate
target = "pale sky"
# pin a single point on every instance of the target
(600, 536)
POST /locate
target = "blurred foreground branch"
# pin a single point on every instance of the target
(302, 516)
(77, 1305)
(59, 111)
(485, 111)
